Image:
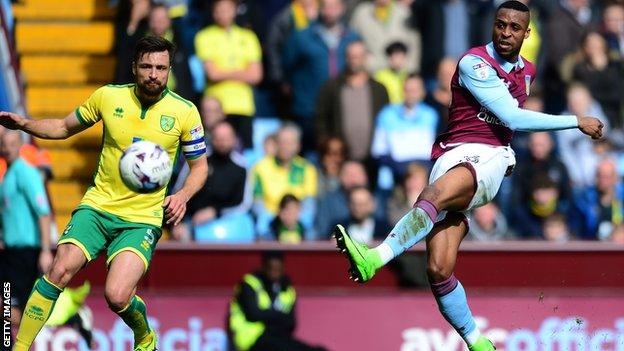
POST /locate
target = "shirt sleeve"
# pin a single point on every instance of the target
(31, 184)
(203, 48)
(89, 112)
(253, 51)
(379, 146)
(483, 83)
(192, 140)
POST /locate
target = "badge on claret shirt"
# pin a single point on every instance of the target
(527, 84)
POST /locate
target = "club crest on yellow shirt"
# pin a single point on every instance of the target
(166, 122)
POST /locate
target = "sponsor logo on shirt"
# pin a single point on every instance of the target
(197, 131)
(482, 70)
(486, 117)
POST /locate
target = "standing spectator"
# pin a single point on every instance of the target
(440, 97)
(564, 31)
(334, 206)
(286, 227)
(556, 229)
(617, 236)
(284, 173)
(613, 22)
(600, 208)
(211, 113)
(25, 223)
(404, 132)
(543, 201)
(333, 153)
(361, 223)
(393, 76)
(348, 104)
(225, 187)
(312, 56)
(130, 25)
(603, 76)
(231, 57)
(577, 153)
(262, 313)
(487, 223)
(405, 195)
(381, 22)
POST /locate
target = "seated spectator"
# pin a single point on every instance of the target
(543, 201)
(361, 223)
(347, 106)
(487, 223)
(312, 56)
(232, 61)
(286, 227)
(405, 195)
(613, 19)
(225, 187)
(211, 113)
(617, 236)
(599, 208)
(393, 76)
(541, 160)
(603, 76)
(577, 151)
(334, 205)
(262, 312)
(556, 229)
(381, 22)
(333, 153)
(405, 132)
(284, 173)
(440, 97)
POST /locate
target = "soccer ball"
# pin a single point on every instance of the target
(145, 167)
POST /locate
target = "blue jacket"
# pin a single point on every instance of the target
(587, 207)
(307, 60)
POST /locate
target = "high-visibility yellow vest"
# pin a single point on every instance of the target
(246, 333)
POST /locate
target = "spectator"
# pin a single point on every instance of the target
(312, 56)
(225, 187)
(381, 22)
(180, 79)
(543, 200)
(284, 173)
(262, 312)
(617, 236)
(333, 153)
(487, 223)
(603, 76)
(563, 34)
(531, 46)
(25, 223)
(231, 57)
(613, 22)
(556, 229)
(334, 206)
(440, 97)
(541, 160)
(361, 223)
(211, 113)
(286, 227)
(405, 132)
(405, 195)
(270, 145)
(601, 207)
(130, 25)
(577, 152)
(348, 104)
(293, 18)
(393, 76)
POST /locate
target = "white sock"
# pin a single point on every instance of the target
(385, 253)
(472, 337)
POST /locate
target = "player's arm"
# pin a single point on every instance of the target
(175, 205)
(54, 128)
(485, 85)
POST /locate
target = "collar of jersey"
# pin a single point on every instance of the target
(505, 65)
(144, 107)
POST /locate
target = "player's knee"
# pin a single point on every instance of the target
(437, 272)
(60, 273)
(117, 299)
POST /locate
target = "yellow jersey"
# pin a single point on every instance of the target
(230, 50)
(172, 122)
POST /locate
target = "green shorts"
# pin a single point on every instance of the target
(93, 231)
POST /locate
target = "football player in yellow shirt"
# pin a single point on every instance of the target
(111, 216)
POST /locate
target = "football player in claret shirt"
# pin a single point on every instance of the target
(110, 216)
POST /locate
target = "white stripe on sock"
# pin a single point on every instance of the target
(385, 253)
(472, 337)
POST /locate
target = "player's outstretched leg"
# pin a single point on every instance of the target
(68, 261)
(126, 269)
(442, 247)
(452, 191)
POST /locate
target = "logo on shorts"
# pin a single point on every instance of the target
(148, 239)
(472, 159)
(166, 122)
(67, 229)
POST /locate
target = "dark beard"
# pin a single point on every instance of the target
(150, 92)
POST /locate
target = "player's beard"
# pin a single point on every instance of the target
(152, 91)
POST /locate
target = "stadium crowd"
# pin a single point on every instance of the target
(320, 112)
(324, 112)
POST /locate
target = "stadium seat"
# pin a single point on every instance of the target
(64, 37)
(87, 69)
(234, 228)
